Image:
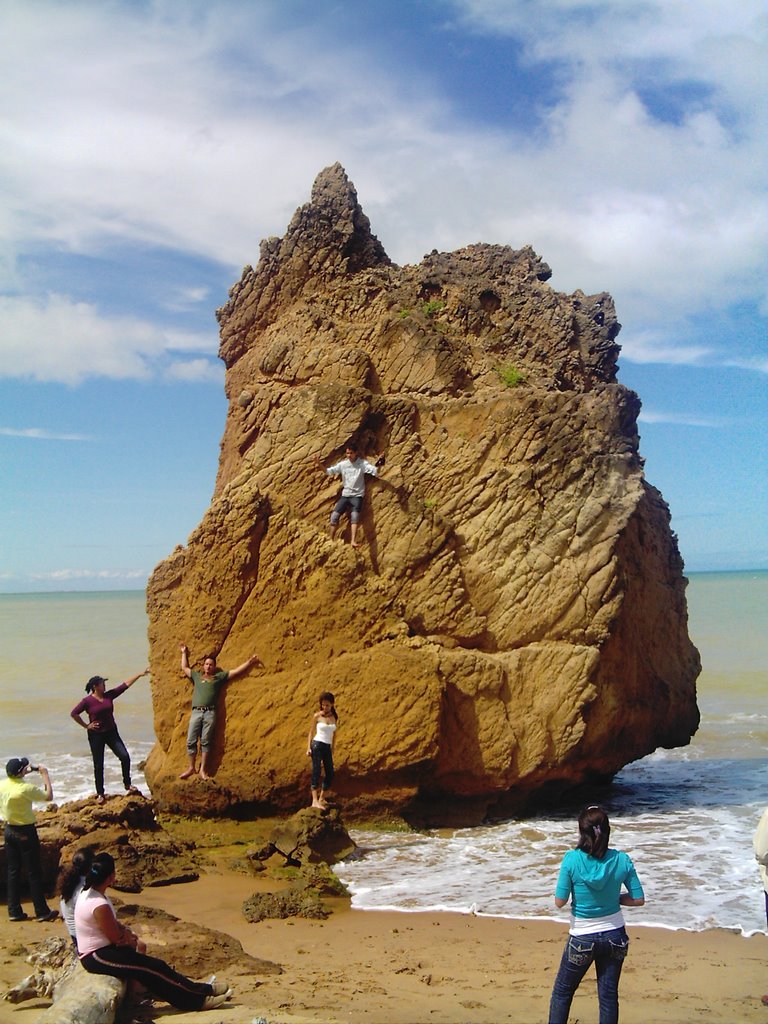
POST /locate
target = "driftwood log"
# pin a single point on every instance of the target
(78, 997)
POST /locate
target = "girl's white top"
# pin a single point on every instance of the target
(324, 732)
(67, 908)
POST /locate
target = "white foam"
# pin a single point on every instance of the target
(687, 823)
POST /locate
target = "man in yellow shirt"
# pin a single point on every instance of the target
(22, 845)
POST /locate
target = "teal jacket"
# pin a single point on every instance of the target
(594, 885)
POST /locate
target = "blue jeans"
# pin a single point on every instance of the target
(354, 503)
(202, 723)
(97, 742)
(608, 951)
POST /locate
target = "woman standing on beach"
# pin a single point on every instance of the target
(105, 946)
(102, 729)
(591, 877)
(320, 747)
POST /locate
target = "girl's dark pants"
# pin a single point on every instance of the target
(97, 741)
(154, 974)
(322, 757)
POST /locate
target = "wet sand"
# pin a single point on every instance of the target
(388, 968)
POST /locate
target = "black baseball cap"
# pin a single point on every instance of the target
(16, 766)
(92, 682)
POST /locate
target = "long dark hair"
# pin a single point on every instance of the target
(594, 831)
(101, 868)
(76, 871)
(327, 695)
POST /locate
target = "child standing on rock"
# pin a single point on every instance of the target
(320, 747)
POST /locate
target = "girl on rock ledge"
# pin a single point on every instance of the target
(320, 747)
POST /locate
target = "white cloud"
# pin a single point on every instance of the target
(36, 433)
(184, 299)
(678, 419)
(57, 339)
(196, 371)
(652, 346)
(77, 575)
(759, 364)
(158, 124)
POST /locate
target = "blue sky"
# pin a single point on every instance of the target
(147, 147)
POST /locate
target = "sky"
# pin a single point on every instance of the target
(147, 147)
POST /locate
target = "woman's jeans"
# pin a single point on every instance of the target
(98, 741)
(322, 757)
(608, 951)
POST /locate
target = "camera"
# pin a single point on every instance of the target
(34, 768)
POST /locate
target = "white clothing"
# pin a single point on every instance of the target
(352, 476)
(592, 925)
(67, 908)
(760, 844)
(324, 732)
(89, 936)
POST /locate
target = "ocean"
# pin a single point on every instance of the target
(685, 816)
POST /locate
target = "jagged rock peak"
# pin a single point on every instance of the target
(328, 237)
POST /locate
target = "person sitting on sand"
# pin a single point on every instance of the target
(352, 470)
(22, 844)
(72, 884)
(105, 946)
(202, 722)
(320, 747)
(591, 877)
(102, 731)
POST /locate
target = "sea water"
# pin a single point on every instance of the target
(50, 646)
(685, 816)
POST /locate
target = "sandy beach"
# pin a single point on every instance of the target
(367, 967)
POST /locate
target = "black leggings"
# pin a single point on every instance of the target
(154, 974)
(322, 758)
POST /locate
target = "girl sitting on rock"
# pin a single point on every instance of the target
(320, 747)
(105, 946)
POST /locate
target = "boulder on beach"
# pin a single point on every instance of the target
(124, 826)
(513, 624)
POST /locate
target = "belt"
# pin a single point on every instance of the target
(203, 707)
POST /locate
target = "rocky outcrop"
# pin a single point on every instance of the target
(125, 827)
(514, 621)
(310, 837)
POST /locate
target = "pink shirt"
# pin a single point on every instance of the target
(89, 936)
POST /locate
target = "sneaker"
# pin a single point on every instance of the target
(52, 915)
(220, 988)
(212, 1002)
(19, 917)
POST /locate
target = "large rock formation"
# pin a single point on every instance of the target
(514, 622)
